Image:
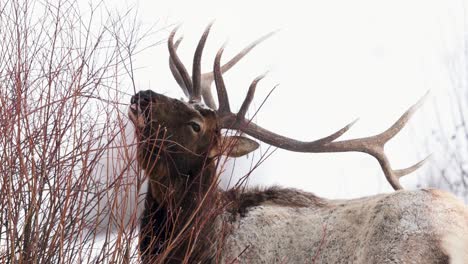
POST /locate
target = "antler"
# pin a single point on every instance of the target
(206, 79)
(373, 145)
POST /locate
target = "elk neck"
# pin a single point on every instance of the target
(180, 183)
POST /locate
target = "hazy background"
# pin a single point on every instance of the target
(335, 61)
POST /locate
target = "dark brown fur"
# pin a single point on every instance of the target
(240, 202)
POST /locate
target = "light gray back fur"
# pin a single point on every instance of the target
(425, 226)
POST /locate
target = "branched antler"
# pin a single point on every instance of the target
(373, 145)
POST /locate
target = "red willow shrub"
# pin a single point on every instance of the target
(64, 168)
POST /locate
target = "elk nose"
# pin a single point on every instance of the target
(142, 98)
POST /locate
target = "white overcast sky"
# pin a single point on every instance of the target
(335, 61)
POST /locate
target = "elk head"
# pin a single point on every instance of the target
(186, 134)
(178, 140)
(181, 133)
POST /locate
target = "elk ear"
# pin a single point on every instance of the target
(234, 146)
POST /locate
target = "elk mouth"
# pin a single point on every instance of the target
(134, 109)
(138, 111)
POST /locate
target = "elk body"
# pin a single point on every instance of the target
(188, 219)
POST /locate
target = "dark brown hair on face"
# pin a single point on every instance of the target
(172, 131)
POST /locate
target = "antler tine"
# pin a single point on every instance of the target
(223, 97)
(175, 72)
(402, 172)
(249, 97)
(179, 66)
(226, 67)
(398, 125)
(196, 74)
(208, 78)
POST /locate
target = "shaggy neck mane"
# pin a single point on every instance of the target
(179, 210)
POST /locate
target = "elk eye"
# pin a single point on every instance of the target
(195, 126)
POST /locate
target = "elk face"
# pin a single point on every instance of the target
(179, 134)
(173, 131)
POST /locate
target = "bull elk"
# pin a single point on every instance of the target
(187, 219)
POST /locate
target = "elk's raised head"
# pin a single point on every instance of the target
(178, 138)
(193, 129)
(182, 133)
